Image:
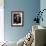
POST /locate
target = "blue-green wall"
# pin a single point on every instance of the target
(30, 7)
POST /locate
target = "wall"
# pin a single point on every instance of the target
(29, 7)
(1, 21)
(43, 6)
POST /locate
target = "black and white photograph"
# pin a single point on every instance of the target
(17, 18)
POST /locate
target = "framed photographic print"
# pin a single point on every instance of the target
(17, 18)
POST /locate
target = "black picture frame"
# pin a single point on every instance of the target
(17, 18)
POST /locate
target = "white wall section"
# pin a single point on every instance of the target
(1, 20)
